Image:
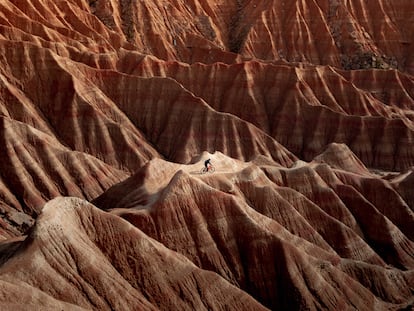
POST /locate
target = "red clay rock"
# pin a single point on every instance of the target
(217, 221)
(304, 107)
(77, 255)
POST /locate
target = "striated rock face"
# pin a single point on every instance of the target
(335, 32)
(108, 110)
(77, 257)
(290, 237)
(307, 109)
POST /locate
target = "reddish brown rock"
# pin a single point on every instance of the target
(79, 257)
(217, 222)
(304, 107)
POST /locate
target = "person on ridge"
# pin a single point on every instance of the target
(207, 164)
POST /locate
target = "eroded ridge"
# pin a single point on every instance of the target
(305, 108)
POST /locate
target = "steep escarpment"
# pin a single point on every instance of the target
(336, 32)
(305, 109)
(37, 167)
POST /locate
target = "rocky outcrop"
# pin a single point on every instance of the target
(304, 107)
(335, 32)
(261, 226)
(79, 258)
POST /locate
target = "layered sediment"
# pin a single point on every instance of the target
(108, 110)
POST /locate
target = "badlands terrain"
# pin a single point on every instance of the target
(109, 108)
